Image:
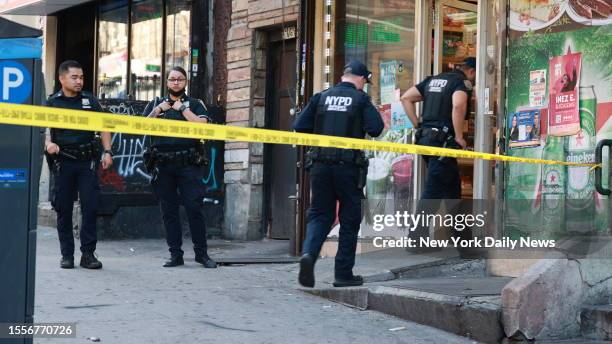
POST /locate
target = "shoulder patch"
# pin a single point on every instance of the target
(468, 84)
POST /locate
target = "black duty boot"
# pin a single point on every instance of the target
(89, 261)
(67, 262)
(174, 261)
(354, 281)
(306, 276)
(205, 260)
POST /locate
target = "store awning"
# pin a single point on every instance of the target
(10, 29)
(36, 7)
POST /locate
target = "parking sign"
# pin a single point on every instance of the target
(15, 82)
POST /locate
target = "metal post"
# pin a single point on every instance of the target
(422, 58)
(485, 89)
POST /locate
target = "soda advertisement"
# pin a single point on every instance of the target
(563, 116)
(572, 42)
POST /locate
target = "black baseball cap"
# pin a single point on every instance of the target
(470, 62)
(357, 68)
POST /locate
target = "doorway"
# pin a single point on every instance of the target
(455, 37)
(280, 180)
(76, 32)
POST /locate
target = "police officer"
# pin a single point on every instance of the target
(178, 166)
(343, 110)
(445, 100)
(73, 156)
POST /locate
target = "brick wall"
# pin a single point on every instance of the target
(245, 102)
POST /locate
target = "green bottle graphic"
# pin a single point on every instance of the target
(553, 188)
(580, 148)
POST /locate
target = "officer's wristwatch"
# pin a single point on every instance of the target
(109, 152)
(182, 108)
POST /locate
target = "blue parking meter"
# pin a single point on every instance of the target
(20, 164)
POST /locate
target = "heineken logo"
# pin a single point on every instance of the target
(581, 158)
(552, 183)
(552, 178)
(555, 189)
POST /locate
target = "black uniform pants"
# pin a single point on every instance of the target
(73, 177)
(178, 184)
(331, 183)
(442, 184)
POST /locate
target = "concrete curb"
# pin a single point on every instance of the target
(478, 318)
(546, 302)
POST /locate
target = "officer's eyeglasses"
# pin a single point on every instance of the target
(176, 81)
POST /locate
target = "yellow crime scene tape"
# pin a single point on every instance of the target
(40, 116)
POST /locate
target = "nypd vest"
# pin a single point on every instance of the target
(69, 137)
(438, 99)
(176, 143)
(339, 113)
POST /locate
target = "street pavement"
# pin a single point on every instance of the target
(133, 299)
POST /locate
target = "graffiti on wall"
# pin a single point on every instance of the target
(128, 173)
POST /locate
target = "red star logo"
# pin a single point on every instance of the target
(553, 178)
(579, 138)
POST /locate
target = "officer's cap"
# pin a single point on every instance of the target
(470, 62)
(357, 68)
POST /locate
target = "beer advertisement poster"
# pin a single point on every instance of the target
(563, 112)
(572, 43)
(525, 128)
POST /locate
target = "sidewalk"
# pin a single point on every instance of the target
(134, 300)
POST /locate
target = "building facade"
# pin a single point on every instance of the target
(241, 56)
(259, 61)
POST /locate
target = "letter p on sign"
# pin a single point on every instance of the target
(15, 82)
(11, 78)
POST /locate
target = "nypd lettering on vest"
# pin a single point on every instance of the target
(337, 103)
(437, 85)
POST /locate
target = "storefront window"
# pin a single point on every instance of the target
(178, 24)
(112, 49)
(139, 24)
(146, 49)
(380, 33)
